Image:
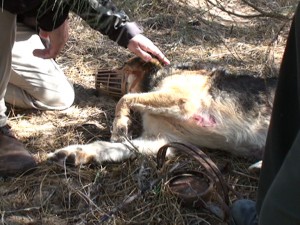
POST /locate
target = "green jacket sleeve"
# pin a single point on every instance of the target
(101, 15)
(51, 14)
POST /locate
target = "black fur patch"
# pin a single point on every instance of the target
(247, 90)
(152, 79)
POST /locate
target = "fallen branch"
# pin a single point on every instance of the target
(261, 13)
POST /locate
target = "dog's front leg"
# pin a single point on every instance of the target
(121, 120)
(155, 102)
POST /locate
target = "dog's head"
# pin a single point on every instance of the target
(135, 69)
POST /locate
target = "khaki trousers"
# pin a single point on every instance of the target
(27, 81)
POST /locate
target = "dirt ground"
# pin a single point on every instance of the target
(228, 34)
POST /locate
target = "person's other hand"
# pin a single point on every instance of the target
(56, 40)
(142, 46)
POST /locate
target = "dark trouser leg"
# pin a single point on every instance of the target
(279, 187)
(281, 205)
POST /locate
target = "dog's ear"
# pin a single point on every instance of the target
(139, 67)
(134, 66)
(155, 62)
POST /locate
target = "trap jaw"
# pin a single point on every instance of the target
(197, 189)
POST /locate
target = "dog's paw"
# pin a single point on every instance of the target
(93, 153)
(120, 129)
(256, 167)
(73, 155)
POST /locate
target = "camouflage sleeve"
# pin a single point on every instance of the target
(101, 15)
(104, 17)
(52, 13)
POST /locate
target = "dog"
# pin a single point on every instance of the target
(208, 108)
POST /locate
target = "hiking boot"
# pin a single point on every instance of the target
(243, 212)
(14, 158)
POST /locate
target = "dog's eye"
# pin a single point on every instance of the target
(127, 71)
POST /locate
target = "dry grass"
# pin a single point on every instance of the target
(187, 31)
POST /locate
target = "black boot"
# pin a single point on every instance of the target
(14, 158)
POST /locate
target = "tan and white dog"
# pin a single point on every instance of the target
(206, 108)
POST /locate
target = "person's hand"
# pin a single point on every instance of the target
(142, 46)
(56, 41)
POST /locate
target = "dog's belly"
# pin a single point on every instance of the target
(239, 141)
